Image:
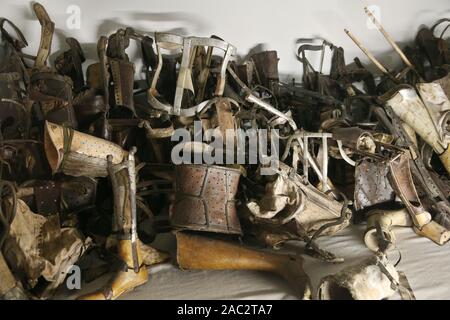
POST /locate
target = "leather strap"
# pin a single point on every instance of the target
(440, 22)
(50, 86)
(402, 285)
(47, 197)
(307, 67)
(69, 63)
(419, 170)
(47, 29)
(117, 43)
(10, 76)
(129, 178)
(68, 136)
(19, 43)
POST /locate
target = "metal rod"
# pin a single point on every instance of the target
(388, 38)
(322, 56)
(305, 158)
(252, 98)
(325, 163)
(367, 53)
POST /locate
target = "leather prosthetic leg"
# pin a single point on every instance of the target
(205, 202)
(372, 279)
(197, 252)
(134, 272)
(402, 182)
(78, 154)
(425, 114)
(385, 221)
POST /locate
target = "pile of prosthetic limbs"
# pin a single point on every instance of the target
(92, 163)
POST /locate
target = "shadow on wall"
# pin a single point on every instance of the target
(255, 49)
(194, 21)
(313, 56)
(109, 26)
(59, 36)
(197, 24)
(106, 27)
(389, 58)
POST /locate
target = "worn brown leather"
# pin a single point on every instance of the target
(14, 117)
(134, 272)
(121, 69)
(355, 138)
(88, 106)
(47, 29)
(122, 73)
(205, 199)
(64, 195)
(49, 86)
(69, 63)
(63, 115)
(14, 120)
(123, 280)
(38, 247)
(52, 91)
(372, 186)
(435, 49)
(401, 180)
(266, 64)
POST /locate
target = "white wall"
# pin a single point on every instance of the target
(245, 23)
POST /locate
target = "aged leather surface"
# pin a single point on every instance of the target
(38, 247)
(205, 199)
(372, 186)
